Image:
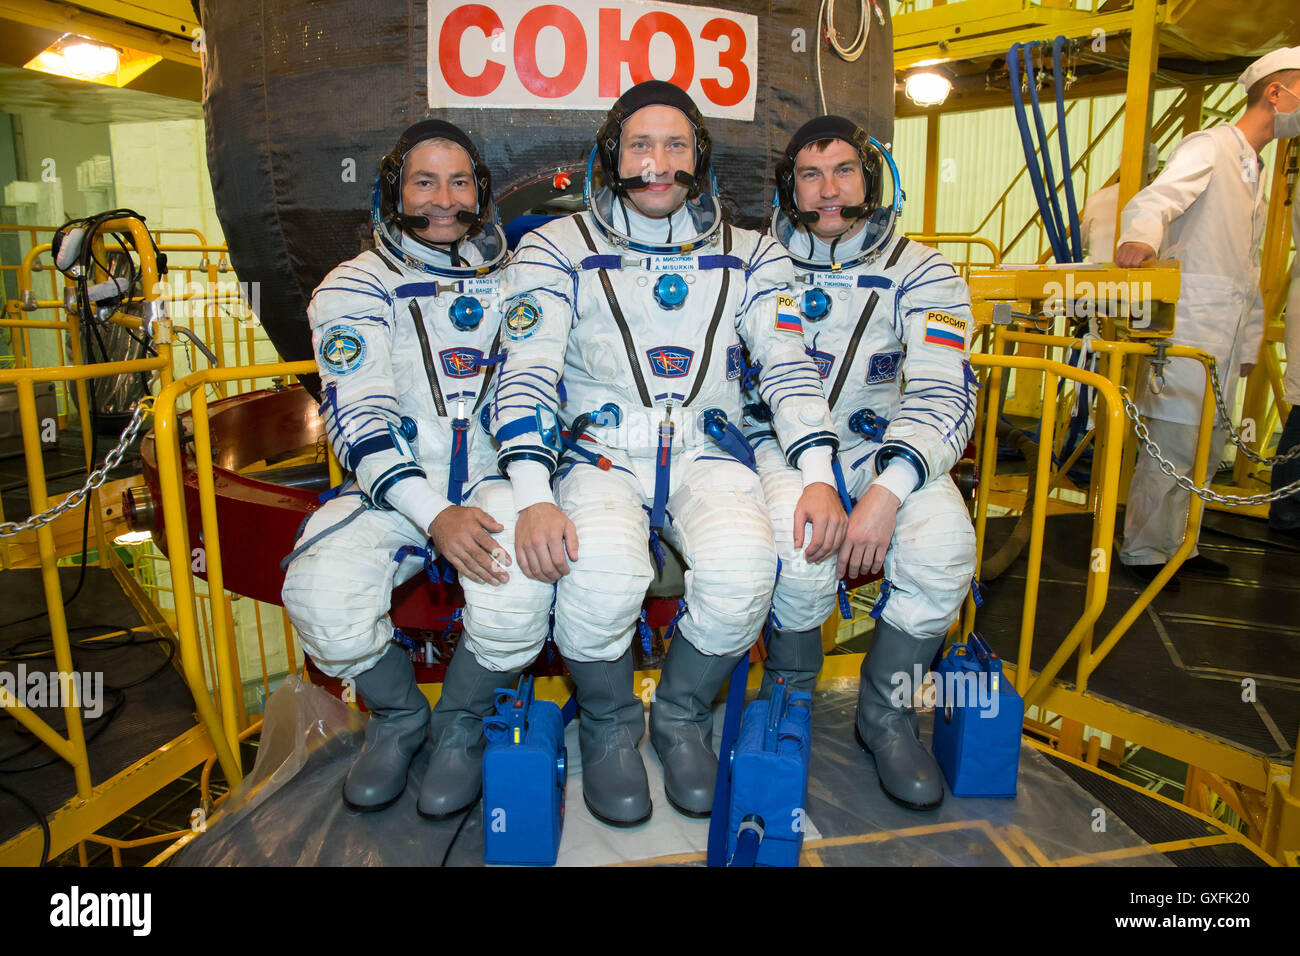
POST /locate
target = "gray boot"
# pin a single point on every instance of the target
(908, 773)
(681, 724)
(455, 775)
(399, 718)
(614, 784)
(794, 655)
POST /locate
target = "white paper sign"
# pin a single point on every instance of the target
(503, 55)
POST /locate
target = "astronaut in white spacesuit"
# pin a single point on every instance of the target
(643, 304)
(888, 323)
(405, 337)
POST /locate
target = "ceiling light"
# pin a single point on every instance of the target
(927, 87)
(133, 537)
(91, 60)
(81, 58)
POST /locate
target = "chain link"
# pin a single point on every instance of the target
(96, 478)
(1171, 470)
(1226, 416)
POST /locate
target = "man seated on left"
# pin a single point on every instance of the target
(404, 336)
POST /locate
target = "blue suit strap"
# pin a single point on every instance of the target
(520, 426)
(875, 282)
(840, 485)
(718, 821)
(886, 589)
(410, 290)
(601, 262)
(370, 446)
(721, 262)
(458, 466)
(663, 467)
(728, 437)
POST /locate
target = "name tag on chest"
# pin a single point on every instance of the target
(834, 280)
(483, 285)
(672, 264)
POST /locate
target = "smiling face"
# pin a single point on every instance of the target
(438, 182)
(656, 142)
(826, 180)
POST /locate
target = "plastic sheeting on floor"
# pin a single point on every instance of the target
(289, 811)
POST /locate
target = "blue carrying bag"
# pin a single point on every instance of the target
(977, 722)
(524, 773)
(769, 781)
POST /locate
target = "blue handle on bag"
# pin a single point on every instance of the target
(980, 648)
(775, 712)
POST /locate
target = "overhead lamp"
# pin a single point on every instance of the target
(82, 58)
(927, 87)
(128, 538)
(86, 58)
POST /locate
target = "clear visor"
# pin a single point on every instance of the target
(706, 218)
(864, 239)
(487, 239)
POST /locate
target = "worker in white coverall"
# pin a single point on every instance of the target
(888, 323)
(1284, 514)
(1207, 210)
(1101, 211)
(643, 303)
(405, 336)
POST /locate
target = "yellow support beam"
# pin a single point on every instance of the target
(987, 28)
(1144, 53)
(1193, 747)
(64, 18)
(79, 818)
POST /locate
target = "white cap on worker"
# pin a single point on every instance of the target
(1287, 58)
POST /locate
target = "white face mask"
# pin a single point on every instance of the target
(1287, 125)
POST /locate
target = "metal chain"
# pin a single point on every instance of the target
(1171, 470)
(96, 478)
(1232, 432)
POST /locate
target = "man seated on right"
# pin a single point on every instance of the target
(887, 321)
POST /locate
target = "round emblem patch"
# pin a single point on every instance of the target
(523, 317)
(342, 349)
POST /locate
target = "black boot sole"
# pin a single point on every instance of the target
(693, 814)
(450, 813)
(621, 824)
(371, 808)
(898, 800)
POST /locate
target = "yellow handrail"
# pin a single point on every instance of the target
(1105, 499)
(219, 721)
(968, 238)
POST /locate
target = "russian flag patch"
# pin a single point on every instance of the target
(942, 328)
(787, 315)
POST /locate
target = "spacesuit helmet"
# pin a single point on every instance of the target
(396, 233)
(882, 194)
(605, 188)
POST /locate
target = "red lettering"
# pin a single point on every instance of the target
(732, 58)
(575, 51)
(684, 50)
(453, 29)
(635, 50)
(614, 52)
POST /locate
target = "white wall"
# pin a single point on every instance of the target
(161, 171)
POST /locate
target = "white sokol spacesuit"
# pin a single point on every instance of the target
(405, 338)
(646, 319)
(888, 323)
